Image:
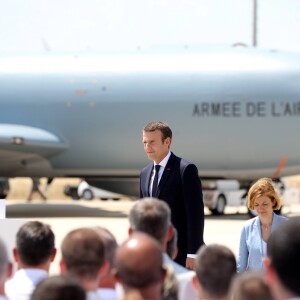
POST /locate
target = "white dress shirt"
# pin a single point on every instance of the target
(21, 286)
(107, 294)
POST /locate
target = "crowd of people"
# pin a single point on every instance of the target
(164, 256)
(93, 266)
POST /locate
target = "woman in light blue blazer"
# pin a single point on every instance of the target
(255, 233)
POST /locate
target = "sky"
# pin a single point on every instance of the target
(28, 26)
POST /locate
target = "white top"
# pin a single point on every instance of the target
(107, 294)
(264, 248)
(21, 286)
(91, 295)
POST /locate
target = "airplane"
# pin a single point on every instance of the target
(234, 112)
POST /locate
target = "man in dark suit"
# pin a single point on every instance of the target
(175, 181)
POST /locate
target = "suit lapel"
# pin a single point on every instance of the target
(148, 179)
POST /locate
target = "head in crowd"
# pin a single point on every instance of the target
(283, 259)
(139, 266)
(110, 248)
(263, 188)
(160, 126)
(83, 256)
(152, 216)
(35, 245)
(215, 268)
(250, 285)
(59, 287)
(5, 266)
(172, 248)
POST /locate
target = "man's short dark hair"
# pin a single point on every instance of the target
(283, 249)
(83, 252)
(161, 126)
(60, 287)
(215, 268)
(35, 243)
(151, 216)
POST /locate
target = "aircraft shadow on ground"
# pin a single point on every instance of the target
(59, 210)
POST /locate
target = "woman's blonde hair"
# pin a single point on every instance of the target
(263, 187)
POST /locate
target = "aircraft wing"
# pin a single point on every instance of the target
(23, 146)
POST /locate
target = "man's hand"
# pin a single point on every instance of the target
(190, 263)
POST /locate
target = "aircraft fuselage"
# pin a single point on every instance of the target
(234, 113)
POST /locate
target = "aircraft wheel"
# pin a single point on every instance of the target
(220, 207)
(221, 203)
(116, 199)
(87, 194)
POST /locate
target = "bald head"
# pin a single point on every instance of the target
(139, 261)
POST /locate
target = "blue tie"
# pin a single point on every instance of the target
(155, 181)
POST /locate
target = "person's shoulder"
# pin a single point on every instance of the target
(182, 161)
(250, 223)
(280, 218)
(149, 166)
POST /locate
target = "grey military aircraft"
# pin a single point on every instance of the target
(235, 112)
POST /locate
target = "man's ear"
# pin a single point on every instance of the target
(9, 272)
(269, 271)
(170, 233)
(104, 269)
(130, 231)
(168, 141)
(197, 286)
(15, 254)
(62, 267)
(53, 254)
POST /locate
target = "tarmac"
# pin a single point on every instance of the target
(65, 215)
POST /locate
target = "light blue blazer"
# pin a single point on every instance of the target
(250, 249)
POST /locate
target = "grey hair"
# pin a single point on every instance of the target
(151, 216)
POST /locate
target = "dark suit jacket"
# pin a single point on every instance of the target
(180, 187)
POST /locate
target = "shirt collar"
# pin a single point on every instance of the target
(164, 162)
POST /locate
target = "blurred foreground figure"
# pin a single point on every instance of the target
(139, 266)
(282, 263)
(83, 257)
(59, 287)
(34, 252)
(215, 269)
(5, 269)
(250, 285)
